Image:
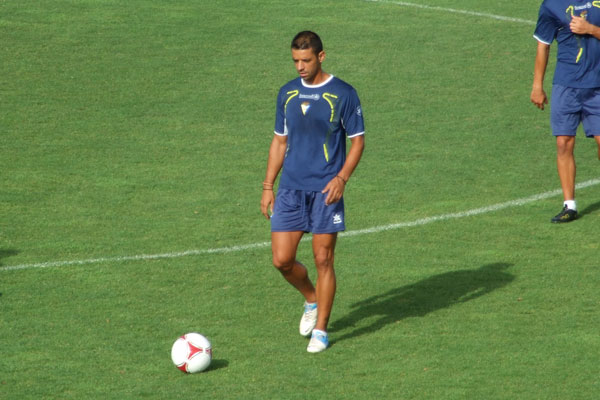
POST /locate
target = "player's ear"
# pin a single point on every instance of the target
(321, 56)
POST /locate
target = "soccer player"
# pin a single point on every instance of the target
(315, 114)
(574, 24)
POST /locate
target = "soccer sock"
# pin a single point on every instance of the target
(319, 332)
(571, 204)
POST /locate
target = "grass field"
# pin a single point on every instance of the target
(133, 144)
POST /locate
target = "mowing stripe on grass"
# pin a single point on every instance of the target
(455, 11)
(376, 229)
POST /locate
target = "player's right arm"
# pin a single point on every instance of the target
(538, 96)
(580, 26)
(274, 164)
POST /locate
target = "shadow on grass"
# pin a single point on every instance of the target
(5, 253)
(590, 209)
(217, 364)
(421, 298)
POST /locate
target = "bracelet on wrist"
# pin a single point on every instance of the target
(267, 186)
(343, 180)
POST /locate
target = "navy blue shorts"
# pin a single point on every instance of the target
(571, 106)
(299, 210)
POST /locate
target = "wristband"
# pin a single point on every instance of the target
(343, 180)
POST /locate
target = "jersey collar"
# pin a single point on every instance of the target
(306, 85)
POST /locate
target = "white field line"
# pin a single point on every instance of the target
(251, 246)
(455, 11)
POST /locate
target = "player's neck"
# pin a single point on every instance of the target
(319, 78)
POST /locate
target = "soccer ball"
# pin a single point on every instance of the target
(191, 353)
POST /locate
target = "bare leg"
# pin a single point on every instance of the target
(284, 246)
(598, 141)
(323, 250)
(565, 161)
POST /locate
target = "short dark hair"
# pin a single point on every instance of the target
(307, 40)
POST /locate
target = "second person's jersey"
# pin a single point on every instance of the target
(578, 57)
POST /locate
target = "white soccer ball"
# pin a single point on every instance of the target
(191, 353)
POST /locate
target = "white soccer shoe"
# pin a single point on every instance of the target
(309, 319)
(319, 342)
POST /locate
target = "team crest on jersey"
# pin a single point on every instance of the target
(305, 106)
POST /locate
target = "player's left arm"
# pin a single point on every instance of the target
(581, 26)
(335, 187)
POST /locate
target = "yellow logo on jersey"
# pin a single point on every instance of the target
(330, 98)
(291, 94)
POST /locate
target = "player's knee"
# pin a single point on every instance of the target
(564, 145)
(283, 264)
(564, 150)
(323, 261)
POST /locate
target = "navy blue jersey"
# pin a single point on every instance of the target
(316, 120)
(578, 57)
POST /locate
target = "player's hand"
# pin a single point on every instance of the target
(579, 26)
(539, 98)
(335, 190)
(266, 203)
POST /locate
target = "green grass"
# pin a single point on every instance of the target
(142, 128)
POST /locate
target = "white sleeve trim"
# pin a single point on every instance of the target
(356, 134)
(280, 134)
(541, 41)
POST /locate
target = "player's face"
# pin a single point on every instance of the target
(308, 64)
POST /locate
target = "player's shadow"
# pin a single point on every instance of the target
(421, 298)
(590, 209)
(5, 253)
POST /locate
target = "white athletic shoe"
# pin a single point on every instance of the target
(319, 342)
(309, 318)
